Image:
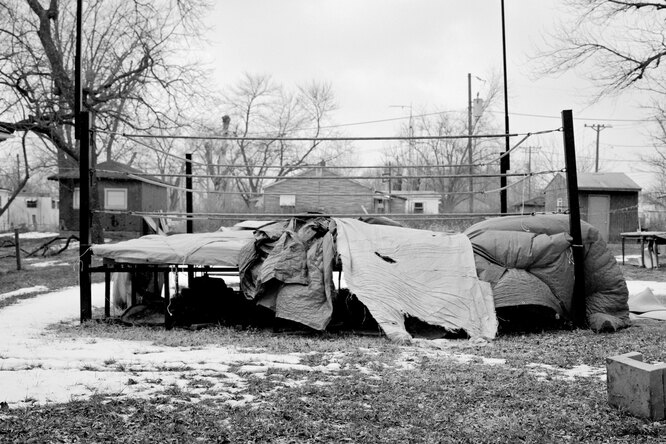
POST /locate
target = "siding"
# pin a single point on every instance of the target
(140, 197)
(41, 217)
(623, 206)
(327, 194)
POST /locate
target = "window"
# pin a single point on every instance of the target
(115, 198)
(76, 198)
(418, 207)
(560, 205)
(31, 203)
(287, 200)
(54, 204)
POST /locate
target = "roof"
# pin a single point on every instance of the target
(412, 194)
(606, 181)
(322, 172)
(602, 182)
(112, 170)
(538, 201)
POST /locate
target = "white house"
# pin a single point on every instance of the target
(32, 211)
(420, 202)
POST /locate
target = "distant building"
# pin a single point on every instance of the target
(534, 205)
(420, 202)
(29, 211)
(324, 191)
(120, 188)
(609, 201)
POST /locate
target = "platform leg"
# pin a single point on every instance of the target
(168, 320)
(107, 294)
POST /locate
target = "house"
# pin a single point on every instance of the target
(318, 189)
(609, 201)
(534, 205)
(420, 202)
(322, 190)
(120, 189)
(29, 211)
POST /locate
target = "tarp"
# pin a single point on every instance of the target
(528, 261)
(647, 303)
(289, 269)
(397, 272)
(220, 248)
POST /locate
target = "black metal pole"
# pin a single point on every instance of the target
(189, 208)
(83, 123)
(82, 134)
(505, 164)
(77, 60)
(578, 301)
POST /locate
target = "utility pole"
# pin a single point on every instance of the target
(529, 169)
(598, 128)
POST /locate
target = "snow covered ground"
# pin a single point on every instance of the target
(30, 235)
(37, 366)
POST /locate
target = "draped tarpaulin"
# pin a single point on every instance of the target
(397, 272)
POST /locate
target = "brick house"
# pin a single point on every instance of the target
(609, 201)
(534, 205)
(318, 190)
(120, 189)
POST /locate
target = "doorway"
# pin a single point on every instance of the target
(598, 213)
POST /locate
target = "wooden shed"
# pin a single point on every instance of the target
(609, 201)
(119, 189)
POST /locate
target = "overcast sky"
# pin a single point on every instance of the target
(379, 53)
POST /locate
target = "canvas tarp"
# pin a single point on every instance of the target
(397, 272)
(219, 248)
(528, 261)
(648, 304)
(289, 269)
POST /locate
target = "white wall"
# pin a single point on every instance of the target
(430, 205)
(42, 217)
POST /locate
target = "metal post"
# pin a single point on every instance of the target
(83, 122)
(82, 134)
(189, 207)
(18, 249)
(505, 164)
(469, 141)
(578, 301)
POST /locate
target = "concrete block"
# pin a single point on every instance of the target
(636, 386)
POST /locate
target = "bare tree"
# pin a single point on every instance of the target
(447, 158)
(261, 108)
(619, 44)
(131, 77)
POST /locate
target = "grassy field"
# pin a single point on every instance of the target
(519, 388)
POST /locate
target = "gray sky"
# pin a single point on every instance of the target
(378, 53)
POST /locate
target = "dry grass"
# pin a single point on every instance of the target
(383, 392)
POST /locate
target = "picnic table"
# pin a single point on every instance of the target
(651, 238)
